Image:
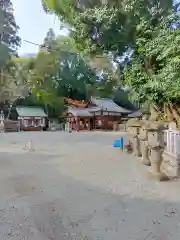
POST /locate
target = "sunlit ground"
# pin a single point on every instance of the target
(77, 186)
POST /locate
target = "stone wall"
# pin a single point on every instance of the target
(147, 141)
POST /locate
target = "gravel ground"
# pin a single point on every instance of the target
(78, 187)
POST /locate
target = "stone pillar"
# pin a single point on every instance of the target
(156, 145)
(144, 149)
(133, 131)
(2, 122)
(115, 126)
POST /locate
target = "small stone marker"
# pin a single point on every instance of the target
(29, 146)
(2, 122)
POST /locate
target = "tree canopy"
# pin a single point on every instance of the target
(112, 45)
(138, 34)
(110, 27)
(58, 70)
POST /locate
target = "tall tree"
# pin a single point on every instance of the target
(62, 70)
(154, 70)
(107, 26)
(8, 31)
(103, 28)
(49, 40)
(15, 81)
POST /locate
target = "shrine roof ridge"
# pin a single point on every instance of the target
(108, 104)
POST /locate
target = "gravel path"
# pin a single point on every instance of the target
(77, 187)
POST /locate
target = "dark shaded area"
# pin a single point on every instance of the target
(122, 99)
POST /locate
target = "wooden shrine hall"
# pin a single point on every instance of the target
(99, 113)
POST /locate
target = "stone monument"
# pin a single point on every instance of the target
(144, 149)
(2, 122)
(156, 145)
(133, 131)
(29, 146)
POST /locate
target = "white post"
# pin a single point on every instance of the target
(171, 142)
(175, 143)
(69, 127)
(168, 140)
(178, 144)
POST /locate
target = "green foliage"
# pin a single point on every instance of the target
(14, 79)
(154, 73)
(60, 70)
(100, 28)
(8, 32)
(123, 26)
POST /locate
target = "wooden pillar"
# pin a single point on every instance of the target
(71, 123)
(89, 125)
(77, 124)
(74, 124)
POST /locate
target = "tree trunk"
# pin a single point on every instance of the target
(154, 112)
(176, 114)
(168, 112)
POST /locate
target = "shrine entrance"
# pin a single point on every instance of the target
(89, 119)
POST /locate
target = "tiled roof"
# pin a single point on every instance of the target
(135, 114)
(30, 112)
(94, 109)
(105, 104)
(108, 104)
(84, 112)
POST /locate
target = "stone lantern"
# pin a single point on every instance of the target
(156, 145)
(2, 121)
(133, 132)
(144, 149)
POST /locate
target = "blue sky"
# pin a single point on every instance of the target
(33, 22)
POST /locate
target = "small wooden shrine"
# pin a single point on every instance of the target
(31, 118)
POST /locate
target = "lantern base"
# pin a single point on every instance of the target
(158, 176)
